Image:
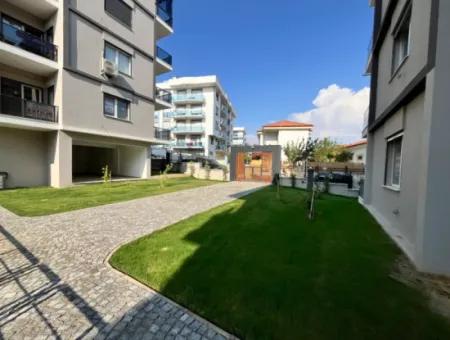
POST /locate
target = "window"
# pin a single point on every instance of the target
(393, 161)
(119, 57)
(401, 40)
(119, 10)
(116, 107)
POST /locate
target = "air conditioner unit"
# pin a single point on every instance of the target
(110, 68)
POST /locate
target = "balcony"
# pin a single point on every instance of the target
(187, 145)
(162, 134)
(164, 18)
(42, 9)
(18, 107)
(163, 61)
(188, 113)
(191, 98)
(188, 129)
(163, 99)
(27, 51)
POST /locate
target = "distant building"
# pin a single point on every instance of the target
(239, 136)
(359, 150)
(201, 119)
(283, 132)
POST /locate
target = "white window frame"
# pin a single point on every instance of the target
(393, 186)
(406, 15)
(119, 52)
(116, 110)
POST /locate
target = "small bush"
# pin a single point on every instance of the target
(106, 174)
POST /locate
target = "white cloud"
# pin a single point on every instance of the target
(338, 113)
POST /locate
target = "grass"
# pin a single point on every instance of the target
(46, 201)
(260, 269)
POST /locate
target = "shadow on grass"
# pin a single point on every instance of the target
(259, 269)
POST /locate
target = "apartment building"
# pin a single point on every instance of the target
(202, 116)
(78, 87)
(239, 136)
(408, 154)
(284, 132)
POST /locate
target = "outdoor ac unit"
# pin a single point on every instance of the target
(110, 68)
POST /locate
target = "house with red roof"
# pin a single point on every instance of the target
(359, 151)
(283, 132)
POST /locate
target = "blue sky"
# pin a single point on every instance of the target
(272, 56)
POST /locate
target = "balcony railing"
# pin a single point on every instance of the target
(164, 55)
(165, 12)
(188, 129)
(192, 145)
(162, 134)
(164, 95)
(28, 42)
(192, 97)
(196, 113)
(16, 106)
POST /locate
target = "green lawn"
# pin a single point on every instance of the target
(46, 201)
(260, 269)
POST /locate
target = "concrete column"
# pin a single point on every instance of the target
(60, 159)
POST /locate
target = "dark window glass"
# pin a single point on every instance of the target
(120, 10)
(109, 106)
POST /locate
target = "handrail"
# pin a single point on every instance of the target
(16, 106)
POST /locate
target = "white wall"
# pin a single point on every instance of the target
(134, 161)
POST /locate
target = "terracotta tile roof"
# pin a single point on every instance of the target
(288, 123)
(358, 143)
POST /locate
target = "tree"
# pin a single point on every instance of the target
(326, 150)
(299, 151)
(344, 156)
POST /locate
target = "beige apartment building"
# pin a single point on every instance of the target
(77, 83)
(408, 152)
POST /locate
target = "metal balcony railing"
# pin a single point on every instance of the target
(191, 97)
(181, 144)
(29, 42)
(16, 106)
(162, 134)
(188, 129)
(164, 55)
(165, 11)
(181, 113)
(164, 95)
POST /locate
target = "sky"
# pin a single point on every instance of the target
(279, 59)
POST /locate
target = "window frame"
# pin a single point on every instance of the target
(130, 26)
(116, 110)
(406, 15)
(393, 186)
(117, 57)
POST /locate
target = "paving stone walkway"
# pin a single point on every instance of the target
(55, 283)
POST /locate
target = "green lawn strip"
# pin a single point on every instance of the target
(46, 201)
(261, 270)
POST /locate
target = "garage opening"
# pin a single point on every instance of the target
(88, 161)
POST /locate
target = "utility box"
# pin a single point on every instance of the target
(3, 178)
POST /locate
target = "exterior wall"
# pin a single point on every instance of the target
(134, 161)
(282, 137)
(359, 153)
(23, 154)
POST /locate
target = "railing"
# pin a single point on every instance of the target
(28, 42)
(192, 97)
(187, 129)
(188, 113)
(164, 95)
(16, 106)
(162, 134)
(164, 55)
(180, 144)
(164, 11)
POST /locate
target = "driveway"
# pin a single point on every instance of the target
(55, 283)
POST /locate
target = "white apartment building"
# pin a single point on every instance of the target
(239, 136)
(283, 132)
(77, 85)
(408, 153)
(201, 119)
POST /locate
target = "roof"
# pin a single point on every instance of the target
(288, 124)
(358, 143)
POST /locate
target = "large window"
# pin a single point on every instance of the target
(119, 10)
(116, 107)
(393, 161)
(401, 39)
(119, 57)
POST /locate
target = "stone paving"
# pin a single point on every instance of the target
(55, 283)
